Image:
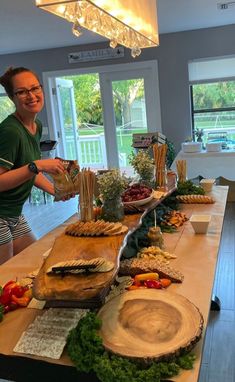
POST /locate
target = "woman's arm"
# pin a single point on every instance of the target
(44, 184)
(13, 178)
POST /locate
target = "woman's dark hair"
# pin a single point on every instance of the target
(6, 78)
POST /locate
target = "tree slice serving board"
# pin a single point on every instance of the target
(150, 324)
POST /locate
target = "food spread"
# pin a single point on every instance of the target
(86, 261)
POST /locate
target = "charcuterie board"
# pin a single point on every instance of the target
(86, 289)
(85, 286)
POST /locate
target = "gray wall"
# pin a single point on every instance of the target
(173, 54)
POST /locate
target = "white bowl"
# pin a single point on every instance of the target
(213, 146)
(200, 223)
(140, 202)
(207, 184)
(191, 147)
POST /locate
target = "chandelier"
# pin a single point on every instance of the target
(131, 23)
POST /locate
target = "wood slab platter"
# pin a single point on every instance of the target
(150, 324)
(77, 287)
(89, 290)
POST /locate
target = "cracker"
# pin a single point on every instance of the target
(105, 267)
(112, 230)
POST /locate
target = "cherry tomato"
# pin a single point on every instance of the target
(153, 284)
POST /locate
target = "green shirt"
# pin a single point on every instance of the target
(18, 147)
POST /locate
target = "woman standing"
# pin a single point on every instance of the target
(20, 163)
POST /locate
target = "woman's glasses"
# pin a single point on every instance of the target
(23, 93)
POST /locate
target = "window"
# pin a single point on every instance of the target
(212, 88)
(6, 105)
(213, 110)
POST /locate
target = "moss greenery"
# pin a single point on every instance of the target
(88, 354)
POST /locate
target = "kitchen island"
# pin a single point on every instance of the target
(196, 259)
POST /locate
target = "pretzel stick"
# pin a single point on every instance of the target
(87, 183)
(181, 167)
(159, 153)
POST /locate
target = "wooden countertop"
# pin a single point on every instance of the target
(196, 259)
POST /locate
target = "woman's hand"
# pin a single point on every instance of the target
(51, 166)
(68, 197)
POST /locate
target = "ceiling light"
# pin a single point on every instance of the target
(131, 23)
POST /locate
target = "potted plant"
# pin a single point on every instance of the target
(143, 165)
(111, 186)
(199, 134)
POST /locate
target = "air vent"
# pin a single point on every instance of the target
(223, 6)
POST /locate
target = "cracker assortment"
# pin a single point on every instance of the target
(132, 267)
(97, 264)
(197, 199)
(95, 228)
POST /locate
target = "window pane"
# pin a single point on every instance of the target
(130, 114)
(214, 95)
(6, 107)
(67, 122)
(215, 122)
(90, 127)
(214, 111)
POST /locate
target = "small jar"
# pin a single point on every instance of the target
(155, 237)
(112, 210)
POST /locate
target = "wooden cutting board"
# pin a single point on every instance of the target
(78, 287)
(150, 324)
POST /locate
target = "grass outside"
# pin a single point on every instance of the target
(124, 138)
(215, 125)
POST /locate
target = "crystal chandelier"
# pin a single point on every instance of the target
(131, 23)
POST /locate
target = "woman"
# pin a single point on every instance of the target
(20, 163)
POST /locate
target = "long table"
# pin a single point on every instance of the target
(196, 259)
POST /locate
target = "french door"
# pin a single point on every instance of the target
(138, 112)
(95, 125)
(67, 132)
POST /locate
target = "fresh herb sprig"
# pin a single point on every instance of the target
(88, 354)
(189, 188)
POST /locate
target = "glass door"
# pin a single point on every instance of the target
(129, 107)
(81, 119)
(67, 130)
(98, 112)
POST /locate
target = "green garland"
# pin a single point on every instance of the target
(88, 354)
(138, 239)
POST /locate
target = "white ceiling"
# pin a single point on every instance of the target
(24, 27)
